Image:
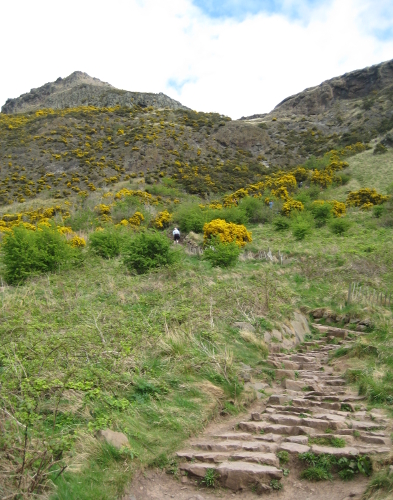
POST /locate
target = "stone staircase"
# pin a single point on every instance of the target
(309, 402)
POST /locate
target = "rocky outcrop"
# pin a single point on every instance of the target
(355, 85)
(356, 106)
(80, 89)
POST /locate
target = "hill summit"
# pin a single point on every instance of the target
(80, 89)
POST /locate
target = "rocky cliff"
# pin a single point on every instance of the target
(80, 89)
(357, 106)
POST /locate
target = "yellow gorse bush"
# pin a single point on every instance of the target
(77, 242)
(365, 196)
(30, 219)
(227, 232)
(338, 208)
(162, 219)
(292, 205)
(136, 219)
(145, 197)
(103, 209)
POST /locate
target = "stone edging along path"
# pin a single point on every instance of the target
(312, 403)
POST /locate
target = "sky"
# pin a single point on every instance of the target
(235, 57)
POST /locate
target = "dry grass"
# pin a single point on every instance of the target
(254, 340)
(366, 170)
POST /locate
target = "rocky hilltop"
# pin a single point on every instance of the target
(350, 86)
(356, 106)
(151, 136)
(80, 89)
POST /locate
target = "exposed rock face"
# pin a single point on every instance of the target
(357, 106)
(80, 89)
(354, 85)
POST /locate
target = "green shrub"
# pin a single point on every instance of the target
(380, 149)
(148, 250)
(322, 213)
(314, 163)
(83, 220)
(378, 211)
(301, 226)
(231, 214)
(222, 254)
(281, 223)
(190, 217)
(26, 252)
(339, 226)
(256, 210)
(106, 243)
(343, 178)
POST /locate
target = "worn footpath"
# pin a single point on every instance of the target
(311, 404)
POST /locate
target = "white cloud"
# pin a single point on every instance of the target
(233, 67)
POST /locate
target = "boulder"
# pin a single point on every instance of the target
(300, 326)
(241, 475)
(116, 439)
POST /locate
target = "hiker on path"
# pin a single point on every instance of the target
(176, 236)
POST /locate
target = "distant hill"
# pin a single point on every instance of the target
(80, 89)
(81, 128)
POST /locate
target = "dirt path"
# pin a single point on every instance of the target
(311, 405)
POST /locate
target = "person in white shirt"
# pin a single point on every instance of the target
(176, 236)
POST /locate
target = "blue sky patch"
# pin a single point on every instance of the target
(178, 85)
(241, 8)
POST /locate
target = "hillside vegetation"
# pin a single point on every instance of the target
(91, 342)
(107, 324)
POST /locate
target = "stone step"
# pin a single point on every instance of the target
(219, 457)
(322, 422)
(244, 436)
(336, 382)
(264, 427)
(293, 447)
(371, 438)
(347, 451)
(256, 457)
(235, 475)
(365, 426)
(235, 445)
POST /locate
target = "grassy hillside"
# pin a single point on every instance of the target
(93, 345)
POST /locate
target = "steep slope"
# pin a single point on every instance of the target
(100, 135)
(80, 89)
(357, 106)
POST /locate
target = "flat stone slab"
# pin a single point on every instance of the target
(293, 447)
(212, 457)
(218, 445)
(258, 457)
(364, 426)
(241, 475)
(297, 439)
(197, 469)
(234, 435)
(348, 451)
(294, 385)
